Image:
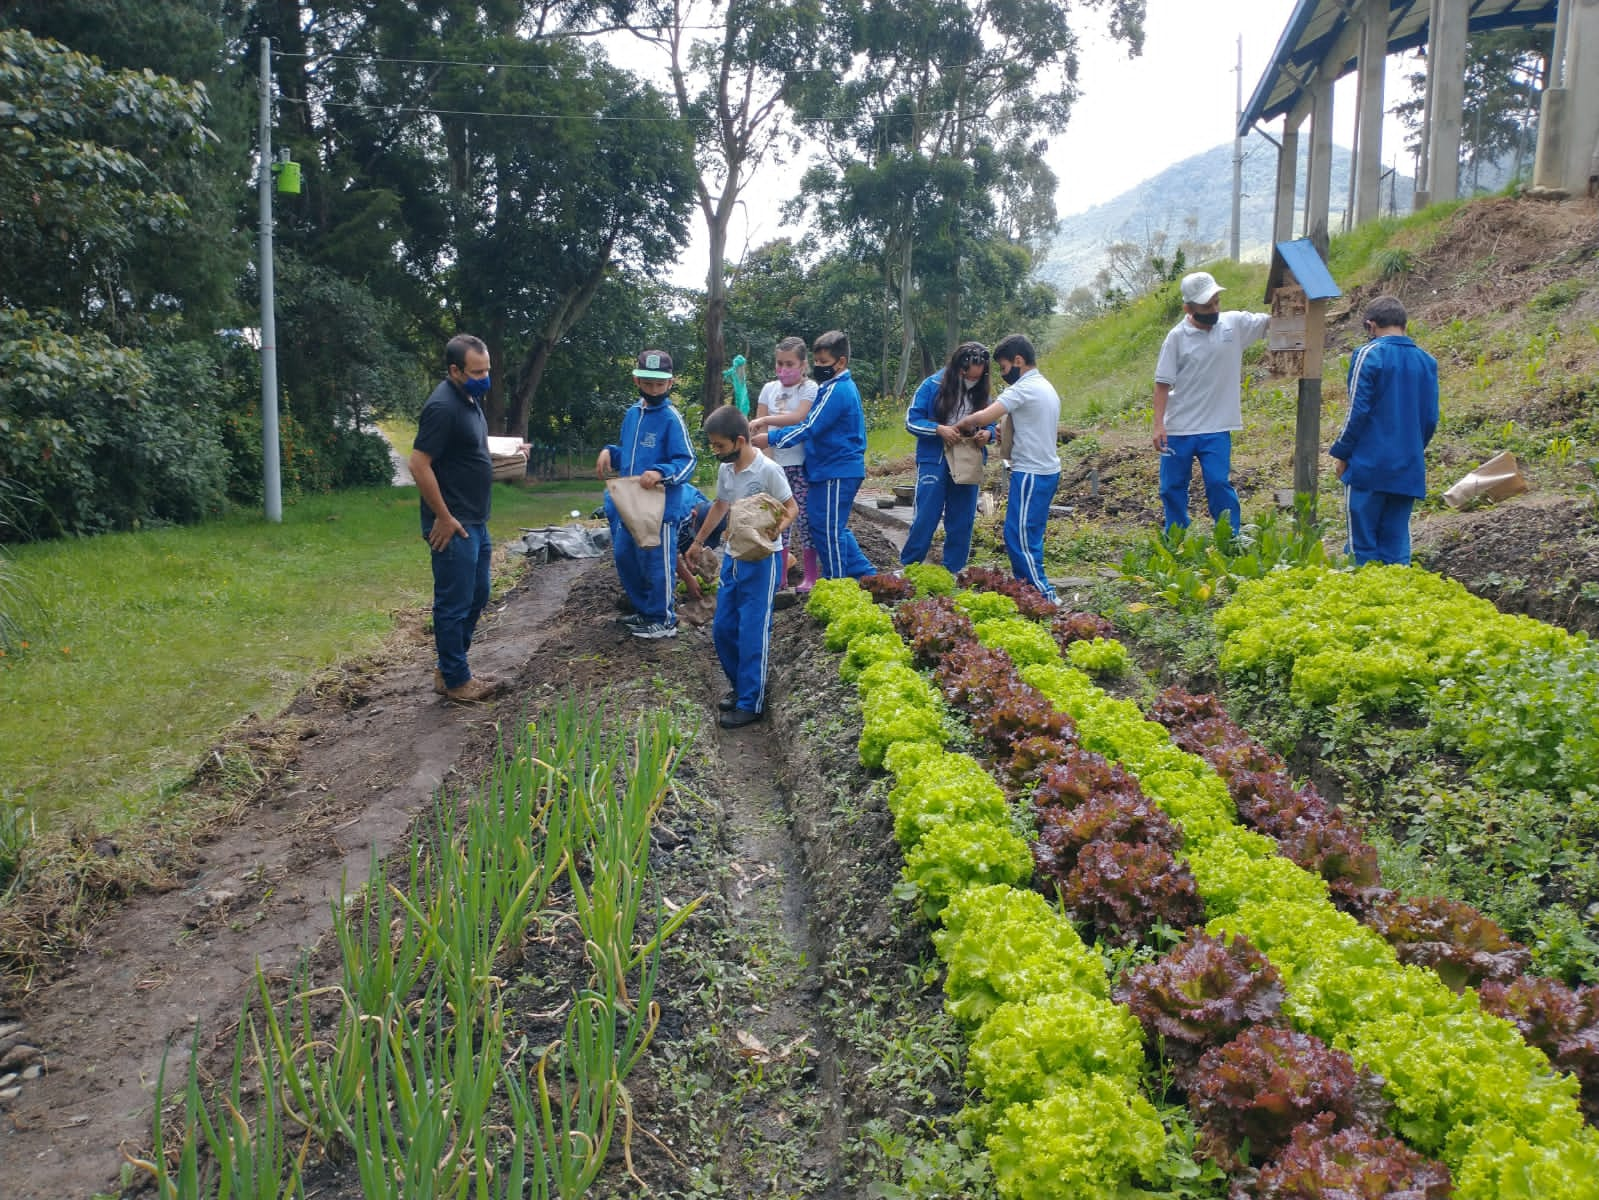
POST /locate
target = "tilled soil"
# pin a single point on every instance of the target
(779, 998)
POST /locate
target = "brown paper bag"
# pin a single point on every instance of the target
(752, 527)
(965, 459)
(508, 459)
(1497, 479)
(642, 509)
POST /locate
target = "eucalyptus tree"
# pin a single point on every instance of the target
(731, 89)
(937, 114)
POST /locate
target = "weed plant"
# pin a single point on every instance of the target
(413, 1076)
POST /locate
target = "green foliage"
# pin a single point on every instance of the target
(930, 579)
(1026, 1050)
(985, 606)
(942, 789)
(954, 855)
(1100, 656)
(1025, 641)
(1085, 1140)
(1391, 262)
(867, 649)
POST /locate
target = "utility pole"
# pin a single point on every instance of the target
(271, 480)
(1238, 158)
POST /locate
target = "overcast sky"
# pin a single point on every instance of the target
(1134, 117)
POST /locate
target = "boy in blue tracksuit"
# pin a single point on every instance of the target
(943, 399)
(834, 433)
(742, 628)
(655, 447)
(1380, 456)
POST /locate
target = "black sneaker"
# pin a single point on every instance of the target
(633, 620)
(728, 702)
(738, 718)
(653, 630)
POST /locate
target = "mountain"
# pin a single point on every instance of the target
(1197, 190)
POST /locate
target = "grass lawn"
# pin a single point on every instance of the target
(148, 645)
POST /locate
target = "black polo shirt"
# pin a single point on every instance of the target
(453, 432)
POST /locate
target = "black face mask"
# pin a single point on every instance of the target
(652, 401)
(1206, 320)
(1013, 375)
(728, 458)
(822, 374)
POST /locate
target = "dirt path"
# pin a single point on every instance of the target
(373, 751)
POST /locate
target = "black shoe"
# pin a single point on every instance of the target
(728, 702)
(738, 718)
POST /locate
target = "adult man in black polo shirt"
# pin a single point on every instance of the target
(455, 476)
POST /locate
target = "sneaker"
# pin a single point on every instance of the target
(784, 599)
(738, 718)
(633, 620)
(473, 691)
(653, 630)
(728, 702)
(439, 685)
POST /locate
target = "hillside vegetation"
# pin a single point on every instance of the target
(1503, 291)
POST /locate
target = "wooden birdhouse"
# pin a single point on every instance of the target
(1297, 289)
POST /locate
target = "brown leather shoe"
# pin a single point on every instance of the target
(473, 691)
(438, 682)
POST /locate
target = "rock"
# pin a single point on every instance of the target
(19, 1055)
(7, 1080)
(9, 1094)
(33, 1072)
(7, 1029)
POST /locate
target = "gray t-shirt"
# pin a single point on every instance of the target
(1034, 408)
(1205, 368)
(762, 475)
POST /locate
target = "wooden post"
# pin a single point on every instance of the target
(1307, 428)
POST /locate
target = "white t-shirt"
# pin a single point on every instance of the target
(762, 475)
(780, 400)
(1205, 368)
(1034, 408)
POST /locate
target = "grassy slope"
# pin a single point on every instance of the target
(150, 644)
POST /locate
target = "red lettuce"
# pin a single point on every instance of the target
(1353, 1164)
(1030, 602)
(1266, 1081)
(888, 589)
(1069, 627)
(1031, 757)
(1201, 995)
(932, 628)
(1562, 1022)
(1081, 776)
(1457, 941)
(1125, 889)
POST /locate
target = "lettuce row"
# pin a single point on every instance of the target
(1345, 983)
(1058, 1060)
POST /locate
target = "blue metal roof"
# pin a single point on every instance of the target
(1316, 25)
(1310, 272)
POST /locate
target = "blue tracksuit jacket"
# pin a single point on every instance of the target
(654, 438)
(921, 418)
(1393, 413)
(834, 432)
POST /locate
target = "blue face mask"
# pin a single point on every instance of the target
(476, 388)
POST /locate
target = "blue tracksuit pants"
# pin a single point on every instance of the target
(649, 576)
(940, 498)
(827, 511)
(1379, 526)
(1026, 514)
(1215, 454)
(742, 627)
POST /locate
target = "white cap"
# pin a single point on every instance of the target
(1200, 288)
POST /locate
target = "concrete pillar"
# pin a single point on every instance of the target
(1446, 83)
(1582, 90)
(1368, 161)
(1318, 184)
(1282, 226)
(1549, 165)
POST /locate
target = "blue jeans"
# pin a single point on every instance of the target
(1215, 454)
(1379, 526)
(460, 590)
(742, 627)
(940, 498)
(827, 510)
(1026, 514)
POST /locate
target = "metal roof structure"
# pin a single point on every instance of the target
(1310, 272)
(1316, 26)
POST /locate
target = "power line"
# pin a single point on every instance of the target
(461, 62)
(463, 112)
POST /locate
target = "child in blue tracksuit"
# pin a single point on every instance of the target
(655, 447)
(1380, 456)
(942, 400)
(742, 628)
(834, 433)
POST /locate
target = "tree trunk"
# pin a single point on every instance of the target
(566, 315)
(494, 402)
(907, 317)
(715, 306)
